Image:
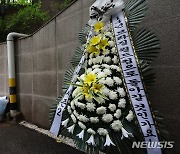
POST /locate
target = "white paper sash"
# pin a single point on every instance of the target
(133, 81)
(62, 104)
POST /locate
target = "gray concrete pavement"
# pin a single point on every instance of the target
(16, 139)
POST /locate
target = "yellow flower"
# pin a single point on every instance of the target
(85, 91)
(92, 49)
(90, 78)
(95, 40)
(102, 45)
(98, 26)
(96, 87)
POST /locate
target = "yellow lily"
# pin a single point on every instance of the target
(98, 26)
(90, 78)
(95, 40)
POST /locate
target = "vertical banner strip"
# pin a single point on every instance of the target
(133, 81)
(62, 104)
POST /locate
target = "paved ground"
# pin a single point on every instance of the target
(16, 139)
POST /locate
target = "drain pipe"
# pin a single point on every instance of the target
(11, 71)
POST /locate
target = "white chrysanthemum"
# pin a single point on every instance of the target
(122, 103)
(100, 100)
(112, 107)
(75, 113)
(111, 43)
(90, 107)
(102, 131)
(96, 70)
(107, 59)
(80, 105)
(121, 92)
(115, 60)
(117, 80)
(105, 66)
(107, 118)
(118, 113)
(113, 95)
(88, 71)
(101, 74)
(94, 119)
(105, 91)
(113, 67)
(109, 34)
(75, 92)
(96, 66)
(101, 110)
(113, 50)
(83, 118)
(106, 52)
(72, 105)
(90, 62)
(107, 71)
(99, 59)
(81, 98)
(69, 109)
(102, 81)
(91, 131)
(94, 61)
(81, 125)
(73, 118)
(130, 116)
(109, 81)
(82, 76)
(116, 125)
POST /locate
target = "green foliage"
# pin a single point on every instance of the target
(27, 20)
(21, 2)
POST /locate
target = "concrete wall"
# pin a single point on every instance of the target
(42, 59)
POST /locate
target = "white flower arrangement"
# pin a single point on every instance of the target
(118, 113)
(96, 66)
(113, 50)
(113, 95)
(115, 59)
(75, 113)
(75, 92)
(83, 118)
(109, 81)
(107, 59)
(94, 119)
(91, 131)
(81, 125)
(90, 107)
(121, 92)
(105, 66)
(101, 110)
(117, 80)
(116, 125)
(102, 131)
(73, 118)
(69, 110)
(73, 105)
(97, 70)
(105, 91)
(122, 103)
(80, 105)
(106, 52)
(101, 75)
(107, 71)
(130, 116)
(100, 100)
(107, 118)
(112, 107)
(88, 70)
(90, 62)
(111, 43)
(109, 34)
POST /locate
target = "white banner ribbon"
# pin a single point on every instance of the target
(62, 104)
(133, 82)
